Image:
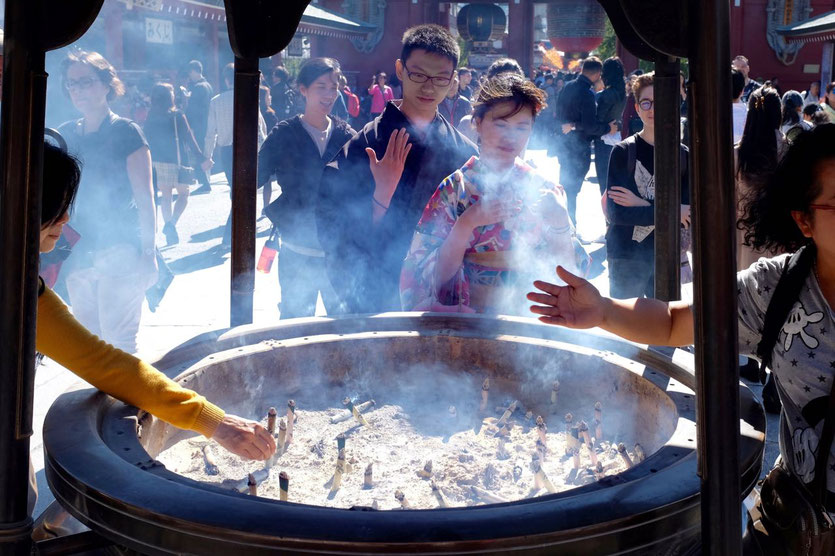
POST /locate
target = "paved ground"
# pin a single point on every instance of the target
(198, 299)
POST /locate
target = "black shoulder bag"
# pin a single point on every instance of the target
(794, 519)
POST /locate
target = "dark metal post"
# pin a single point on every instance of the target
(21, 145)
(715, 303)
(667, 180)
(244, 169)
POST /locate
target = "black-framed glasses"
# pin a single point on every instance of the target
(823, 207)
(646, 104)
(83, 83)
(437, 80)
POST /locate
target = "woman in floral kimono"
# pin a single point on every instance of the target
(493, 222)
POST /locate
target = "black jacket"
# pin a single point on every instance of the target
(197, 110)
(363, 259)
(610, 105)
(291, 155)
(576, 105)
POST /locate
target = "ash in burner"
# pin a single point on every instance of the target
(439, 453)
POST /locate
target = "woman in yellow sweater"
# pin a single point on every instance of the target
(63, 339)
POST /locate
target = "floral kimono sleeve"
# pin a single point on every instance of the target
(418, 288)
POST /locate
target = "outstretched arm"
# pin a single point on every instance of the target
(578, 304)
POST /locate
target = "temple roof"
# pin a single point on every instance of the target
(816, 29)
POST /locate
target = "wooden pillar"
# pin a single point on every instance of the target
(520, 41)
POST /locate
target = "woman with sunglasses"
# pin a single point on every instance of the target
(795, 212)
(114, 262)
(64, 340)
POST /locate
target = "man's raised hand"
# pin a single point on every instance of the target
(389, 169)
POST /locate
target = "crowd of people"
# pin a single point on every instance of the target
(415, 194)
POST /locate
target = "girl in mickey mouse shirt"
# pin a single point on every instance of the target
(796, 209)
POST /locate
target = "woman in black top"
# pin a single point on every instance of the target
(170, 138)
(610, 104)
(296, 152)
(114, 262)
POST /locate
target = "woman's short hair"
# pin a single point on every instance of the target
(314, 68)
(61, 176)
(103, 69)
(510, 87)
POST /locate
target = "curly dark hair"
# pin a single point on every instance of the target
(793, 186)
(508, 87)
(103, 69)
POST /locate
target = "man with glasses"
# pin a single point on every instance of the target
(577, 115)
(374, 192)
(630, 204)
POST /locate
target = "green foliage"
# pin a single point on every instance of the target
(464, 59)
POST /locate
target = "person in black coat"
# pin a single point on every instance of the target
(577, 115)
(295, 152)
(197, 112)
(610, 104)
(374, 192)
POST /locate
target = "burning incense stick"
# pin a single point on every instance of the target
(291, 418)
(555, 393)
(283, 485)
(541, 480)
(340, 442)
(271, 415)
(507, 413)
(242, 485)
(368, 481)
(485, 395)
(541, 449)
(209, 461)
(624, 455)
(598, 431)
(541, 429)
(439, 495)
(364, 406)
(529, 418)
(282, 437)
(337, 476)
(349, 405)
(252, 484)
(400, 497)
(598, 421)
(583, 428)
(426, 472)
(575, 454)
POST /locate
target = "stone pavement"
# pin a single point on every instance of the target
(198, 298)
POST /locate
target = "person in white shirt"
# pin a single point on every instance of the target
(739, 109)
(219, 133)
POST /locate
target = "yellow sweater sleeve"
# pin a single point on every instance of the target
(63, 339)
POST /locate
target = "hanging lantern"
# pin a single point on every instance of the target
(481, 22)
(576, 27)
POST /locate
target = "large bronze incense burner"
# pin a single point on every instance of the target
(100, 454)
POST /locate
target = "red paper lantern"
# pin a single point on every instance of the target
(576, 26)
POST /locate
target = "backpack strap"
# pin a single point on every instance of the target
(631, 156)
(795, 272)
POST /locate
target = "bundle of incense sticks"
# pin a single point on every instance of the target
(439, 495)
(283, 485)
(209, 462)
(485, 394)
(349, 405)
(271, 415)
(364, 406)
